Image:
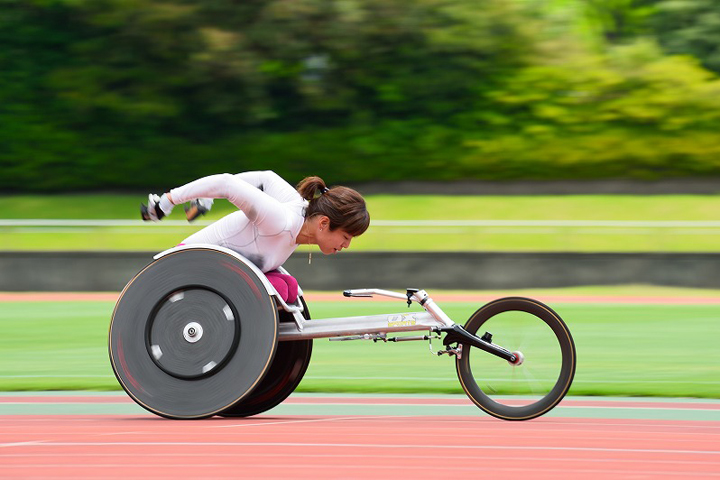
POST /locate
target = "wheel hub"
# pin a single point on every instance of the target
(519, 359)
(192, 333)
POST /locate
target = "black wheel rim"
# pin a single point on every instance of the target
(192, 332)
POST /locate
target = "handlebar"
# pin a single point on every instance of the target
(420, 296)
(369, 292)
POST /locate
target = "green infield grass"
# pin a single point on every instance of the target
(623, 349)
(636, 235)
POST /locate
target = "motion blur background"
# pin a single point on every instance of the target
(486, 126)
(115, 94)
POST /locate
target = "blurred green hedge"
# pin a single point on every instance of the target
(110, 94)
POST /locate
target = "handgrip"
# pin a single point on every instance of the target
(351, 293)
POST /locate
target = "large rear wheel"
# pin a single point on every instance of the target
(192, 334)
(539, 380)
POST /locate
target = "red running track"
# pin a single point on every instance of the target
(356, 447)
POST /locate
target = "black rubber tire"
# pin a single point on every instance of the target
(149, 306)
(565, 373)
(286, 371)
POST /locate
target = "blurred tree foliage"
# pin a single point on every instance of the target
(630, 112)
(690, 27)
(620, 20)
(139, 94)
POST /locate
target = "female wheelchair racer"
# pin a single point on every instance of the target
(216, 326)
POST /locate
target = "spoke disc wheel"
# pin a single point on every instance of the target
(288, 367)
(546, 366)
(192, 334)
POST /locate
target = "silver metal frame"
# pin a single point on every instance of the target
(372, 325)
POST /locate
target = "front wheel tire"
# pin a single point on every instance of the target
(539, 383)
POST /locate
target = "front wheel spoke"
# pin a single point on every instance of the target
(534, 385)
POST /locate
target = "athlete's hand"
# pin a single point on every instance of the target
(197, 207)
(154, 210)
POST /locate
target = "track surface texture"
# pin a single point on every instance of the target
(105, 435)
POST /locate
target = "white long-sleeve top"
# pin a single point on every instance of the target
(265, 229)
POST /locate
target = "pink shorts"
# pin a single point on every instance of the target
(286, 285)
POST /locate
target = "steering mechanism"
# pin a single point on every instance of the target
(410, 293)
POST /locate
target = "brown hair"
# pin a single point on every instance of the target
(342, 205)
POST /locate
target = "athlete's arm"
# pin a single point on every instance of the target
(270, 183)
(261, 209)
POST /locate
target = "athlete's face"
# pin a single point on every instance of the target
(332, 241)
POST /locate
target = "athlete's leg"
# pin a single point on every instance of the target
(286, 285)
(280, 285)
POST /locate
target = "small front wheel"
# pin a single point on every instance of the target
(540, 378)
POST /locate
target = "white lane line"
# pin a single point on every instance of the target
(22, 444)
(474, 456)
(682, 425)
(361, 445)
(472, 407)
(313, 420)
(533, 472)
(587, 435)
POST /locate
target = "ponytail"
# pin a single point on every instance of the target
(342, 205)
(310, 187)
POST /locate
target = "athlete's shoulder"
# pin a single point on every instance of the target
(279, 188)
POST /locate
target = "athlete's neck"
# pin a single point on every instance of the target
(307, 233)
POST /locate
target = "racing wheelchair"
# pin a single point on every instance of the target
(200, 331)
